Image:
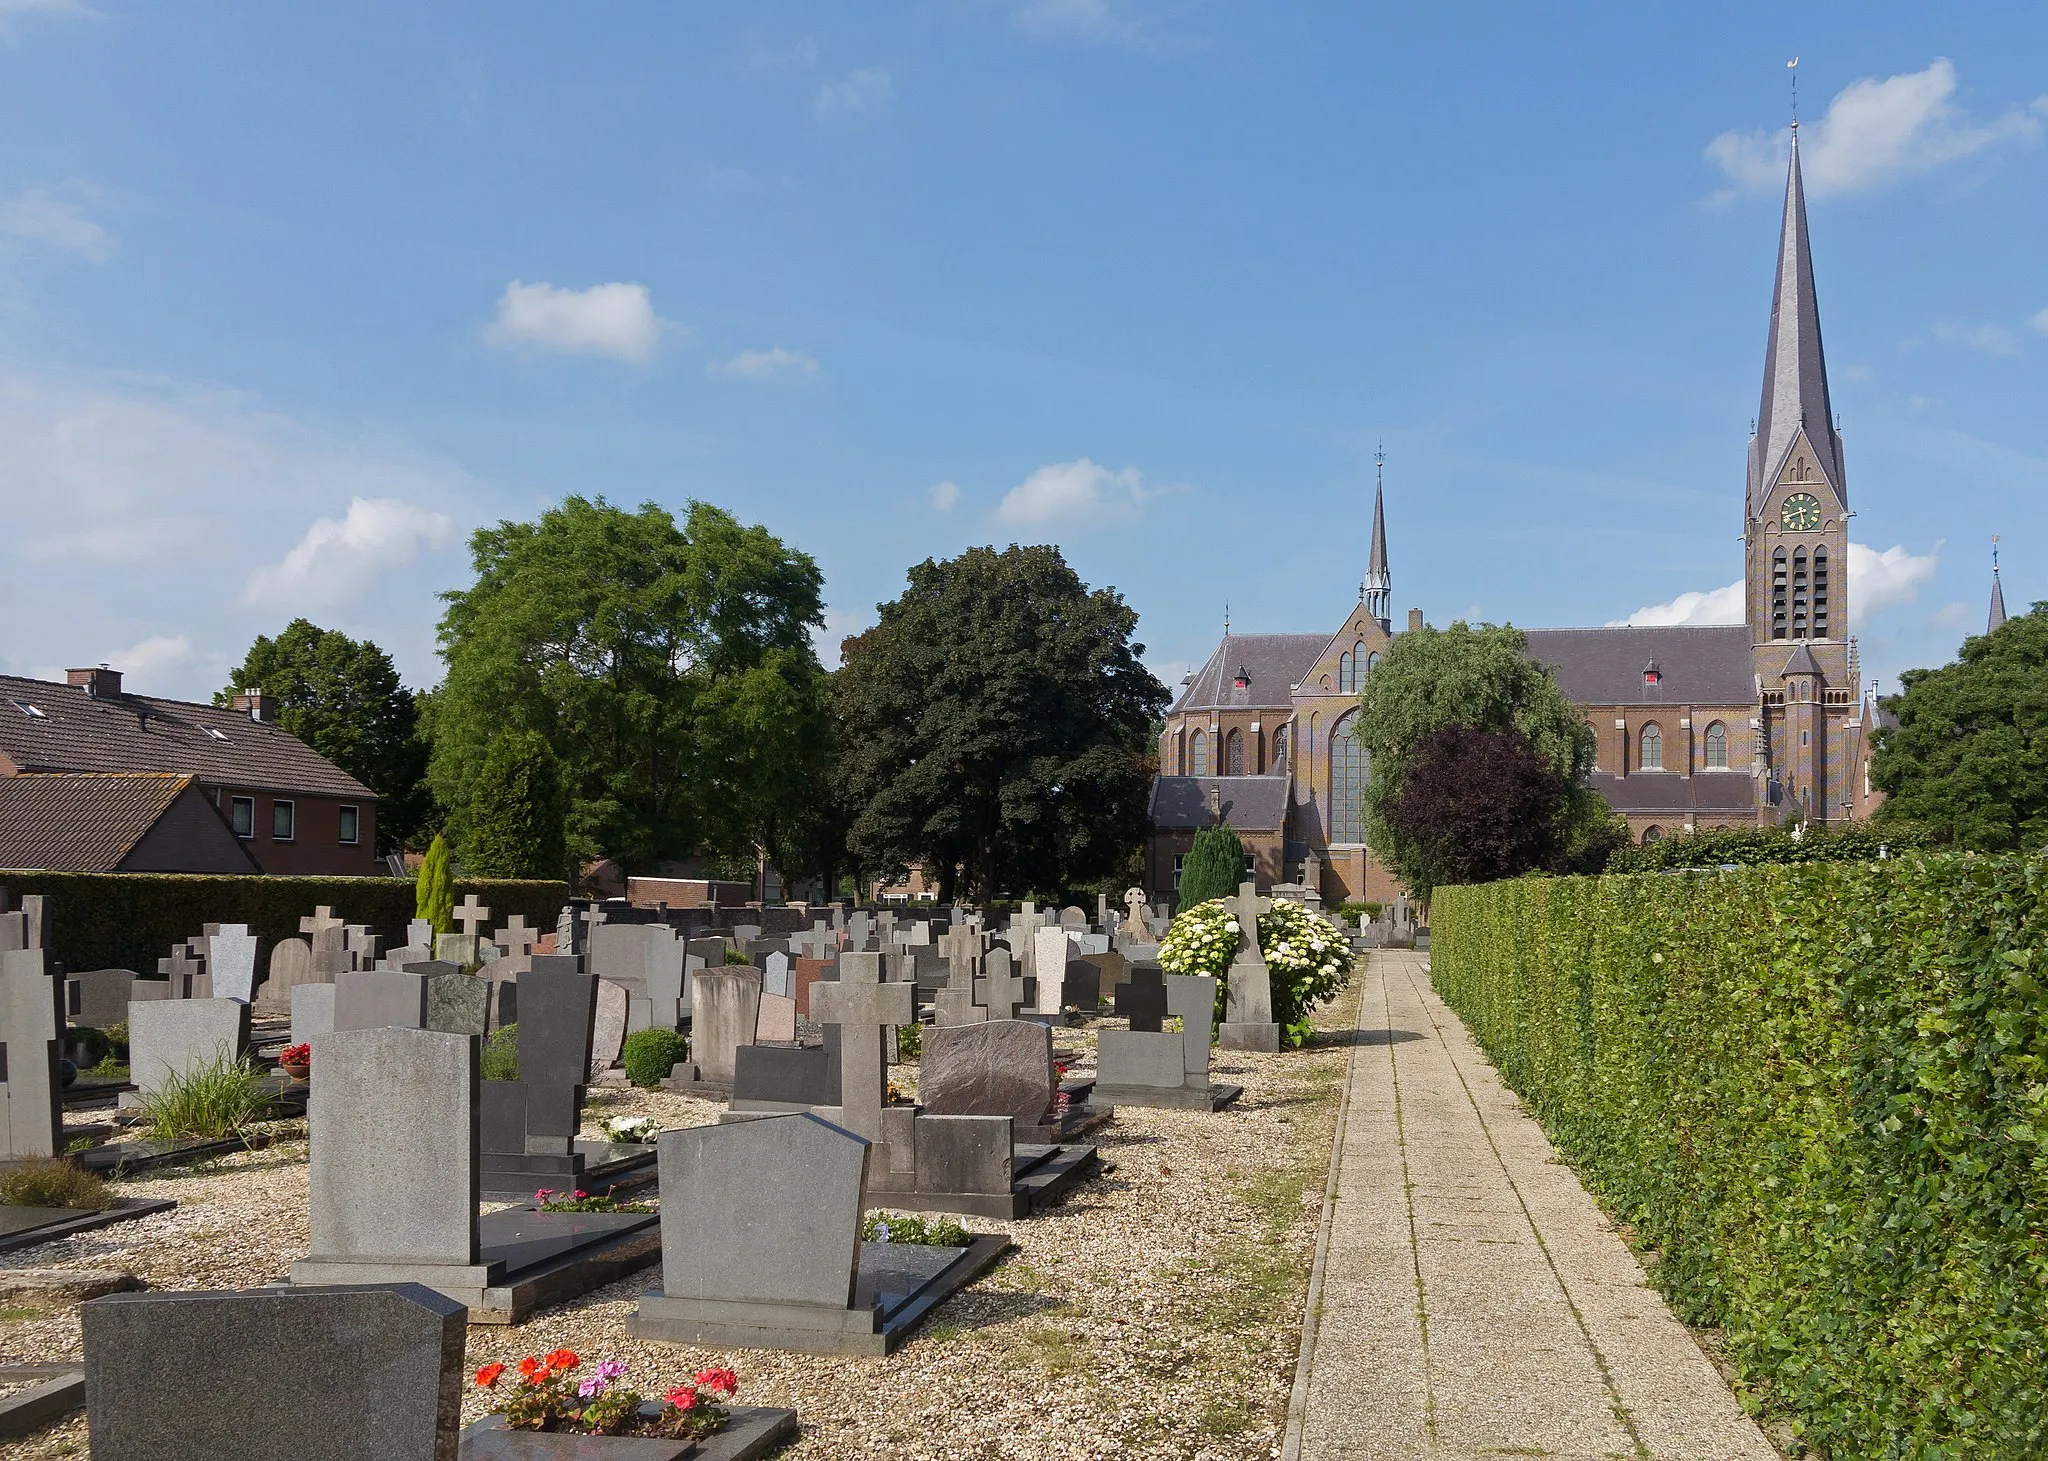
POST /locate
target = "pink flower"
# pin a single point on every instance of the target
(581, 1194)
(591, 1387)
(541, 1195)
(612, 1370)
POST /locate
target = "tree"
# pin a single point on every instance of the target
(997, 727)
(1478, 676)
(434, 894)
(1478, 806)
(342, 697)
(669, 667)
(515, 824)
(1213, 867)
(1968, 759)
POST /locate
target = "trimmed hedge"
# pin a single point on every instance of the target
(1758, 846)
(130, 920)
(1821, 1094)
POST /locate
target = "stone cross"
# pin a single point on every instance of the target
(1142, 1000)
(471, 915)
(1003, 989)
(321, 918)
(865, 1009)
(1134, 912)
(183, 969)
(515, 937)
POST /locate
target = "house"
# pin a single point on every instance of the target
(115, 822)
(289, 809)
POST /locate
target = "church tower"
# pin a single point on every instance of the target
(1379, 582)
(1796, 531)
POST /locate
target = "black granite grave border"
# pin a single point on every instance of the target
(125, 1209)
(1046, 1183)
(753, 1432)
(127, 1162)
(1172, 1098)
(27, 1411)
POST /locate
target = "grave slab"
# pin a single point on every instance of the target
(25, 1227)
(751, 1432)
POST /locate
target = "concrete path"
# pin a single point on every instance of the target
(1474, 1300)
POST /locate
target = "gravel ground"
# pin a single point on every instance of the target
(1155, 1313)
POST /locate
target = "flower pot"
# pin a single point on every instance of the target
(297, 1072)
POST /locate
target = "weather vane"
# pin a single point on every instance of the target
(1793, 66)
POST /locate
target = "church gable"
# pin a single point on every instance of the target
(1341, 668)
(1802, 474)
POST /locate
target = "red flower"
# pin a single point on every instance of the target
(682, 1398)
(563, 1359)
(725, 1382)
(529, 1365)
(488, 1375)
(581, 1194)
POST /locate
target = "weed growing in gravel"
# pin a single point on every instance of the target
(1053, 1350)
(207, 1103)
(53, 1182)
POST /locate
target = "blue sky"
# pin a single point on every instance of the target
(292, 298)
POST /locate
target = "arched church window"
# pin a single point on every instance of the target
(1279, 745)
(1315, 733)
(1358, 665)
(1347, 782)
(1198, 754)
(1372, 662)
(1778, 594)
(1652, 834)
(1820, 593)
(1233, 753)
(1717, 746)
(1653, 748)
(1799, 594)
(1347, 674)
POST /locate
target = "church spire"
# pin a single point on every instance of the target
(1379, 583)
(1997, 594)
(1795, 373)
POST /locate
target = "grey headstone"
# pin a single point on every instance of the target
(174, 1037)
(1139, 1058)
(1074, 918)
(782, 1075)
(777, 976)
(725, 1010)
(1193, 999)
(1001, 1068)
(375, 999)
(964, 1154)
(766, 1211)
(232, 959)
(609, 1032)
(290, 1375)
(99, 997)
(312, 1011)
(291, 964)
(1049, 948)
(31, 1024)
(459, 1004)
(1093, 943)
(394, 1151)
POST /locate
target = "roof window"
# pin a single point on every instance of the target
(216, 732)
(29, 710)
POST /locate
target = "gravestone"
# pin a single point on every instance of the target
(291, 964)
(807, 973)
(1084, 986)
(1142, 999)
(725, 1010)
(778, 976)
(1000, 1068)
(1137, 923)
(174, 1037)
(99, 997)
(312, 1011)
(1248, 1019)
(1049, 966)
(458, 1003)
(529, 1125)
(1073, 920)
(231, 956)
(31, 1030)
(668, 985)
(374, 999)
(867, 1010)
(185, 974)
(289, 1375)
(1003, 990)
(965, 1154)
(776, 1022)
(1139, 1067)
(608, 1033)
(787, 1078)
(955, 1004)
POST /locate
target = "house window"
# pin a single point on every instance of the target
(1347, 782)
(351, 825)
(242, 813)
(1233, 753)
(1178, 859)
(283, 818)
(1653, 748)
(1717, 747)
(1198, 754)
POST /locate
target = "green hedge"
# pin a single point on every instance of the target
(1821, 1094)
(130, 920)
(1758, 846)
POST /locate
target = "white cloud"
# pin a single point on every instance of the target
(1952, 616)
(2041, 321)
(765, 364)
(1076, 494)
(1094, 21)
(859, 91)
(945, 495)
(339, 558)
(1877, 581)
(840, 625)
(1987, 339)
(1875, 132)
(57, 218)
(617, 320)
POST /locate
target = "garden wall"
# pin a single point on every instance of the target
(130, 920)
(1820, 1094)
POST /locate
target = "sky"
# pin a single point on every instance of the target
(295, 298)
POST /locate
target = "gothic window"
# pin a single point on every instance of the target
(1717, 746)
(1372, 662)
(1799, 594)
(1347, 782)
(1198, 754)
(1778, 594)
(1358, 665)
(1233, 753)
(1653, 748)
(1279, 745)
(1315, 730)
(1347, 674)
(1820, 593)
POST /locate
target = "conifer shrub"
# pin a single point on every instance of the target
(1213, 867)
(649, 1055)
(434, 894)
(514, 825)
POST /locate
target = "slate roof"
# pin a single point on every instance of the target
(1795, 371)
(1250, 803)
(1274, 663)
(81, 824)
(1800, 662)
(75, 732)
(1667, 791)
(1699, 664)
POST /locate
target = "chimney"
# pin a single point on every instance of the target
(101, 683)
(256, 705)
(1414, 620)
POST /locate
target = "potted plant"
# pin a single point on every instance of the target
(550, 1397)
(631, 1130)
(296, 1061)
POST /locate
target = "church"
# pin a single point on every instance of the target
(1698, 726)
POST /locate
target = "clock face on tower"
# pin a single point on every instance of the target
(1800, 514)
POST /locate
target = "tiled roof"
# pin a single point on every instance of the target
(1698, 664)
(1274, 663)
(66, 729)
(1250, 803)
(80, 824)
(1667, 791)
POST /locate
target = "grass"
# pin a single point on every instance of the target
(500, 1060)
(53, 1182)
(207, 1103)
(926, 1232)
(1053, 1350)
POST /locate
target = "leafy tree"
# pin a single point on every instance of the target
(996, 727)
(434, 894)
(670, 668)
(1213, 867)
(1478, 676)
(342, 697)
(1969, 756)
(515, 824)
(1478, 805)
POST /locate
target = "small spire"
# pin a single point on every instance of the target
(1226, 618)
(1377, 593)
(1997, 593)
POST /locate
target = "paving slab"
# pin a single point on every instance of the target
(1470, 1298)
